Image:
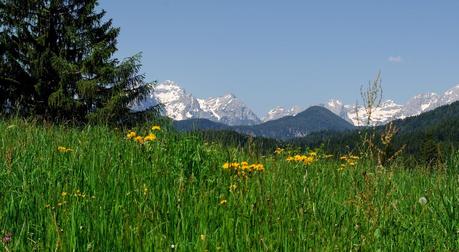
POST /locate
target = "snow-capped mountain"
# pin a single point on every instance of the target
(421, 103)
(180, 105)
(229, 110)
(337, 107)
(389, 110)
(279, 112)
(450, 95)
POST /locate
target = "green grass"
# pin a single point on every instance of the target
(123, 196)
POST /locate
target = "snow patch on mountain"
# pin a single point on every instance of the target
(180, 105)
(389, 110)
(358, 116)
(279, 112)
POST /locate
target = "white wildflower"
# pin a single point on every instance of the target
(422, 200)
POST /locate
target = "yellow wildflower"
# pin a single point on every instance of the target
(145, 190)
(77, 193)
(235, 165)
(156, 128)
(232, 187)
(61, 203)
(223, 201)
(63, 149)
(139, 140)
(278, 151)
(308, 160)
(298, 158)
(243, 169)
(348, 161)
(150, 137)
(305, 159)
(258, 167)
(131, 134)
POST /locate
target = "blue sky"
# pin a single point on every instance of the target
(287, 52)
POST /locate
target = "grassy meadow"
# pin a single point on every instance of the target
(93, 189)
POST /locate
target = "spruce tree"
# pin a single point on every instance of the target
(57, 61)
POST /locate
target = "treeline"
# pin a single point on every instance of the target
(427, 139)
(229, 138)
(57, 63)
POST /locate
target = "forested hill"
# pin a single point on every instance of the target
(438, 128)
(313, 119)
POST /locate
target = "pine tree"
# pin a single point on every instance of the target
(429, 150)
(56, 61)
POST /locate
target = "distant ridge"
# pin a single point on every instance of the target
(314, 119)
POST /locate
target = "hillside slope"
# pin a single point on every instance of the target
(313, 119)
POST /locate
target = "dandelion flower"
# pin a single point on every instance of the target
(131, 134)
(139, 140)
(61, 203)
(259, 167)
(232, 187)
(156, 128)
(422, 200)
(150, 137)
(145, 190)
(278, 151)
(63, 149)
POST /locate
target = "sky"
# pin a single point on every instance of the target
(284, 53)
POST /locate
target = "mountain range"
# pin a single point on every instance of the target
(314, 119)
(389, 110)
(230, 110)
